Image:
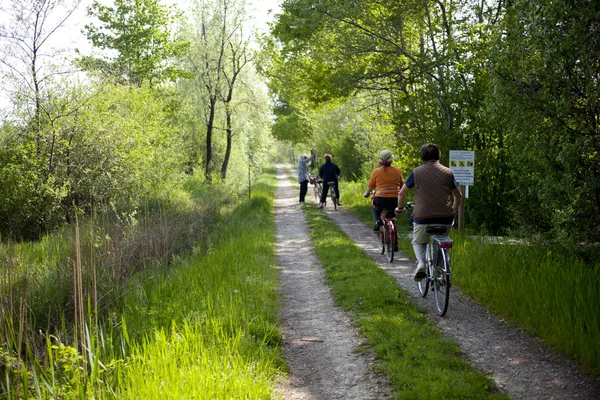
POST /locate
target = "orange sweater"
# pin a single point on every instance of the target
(387, 181)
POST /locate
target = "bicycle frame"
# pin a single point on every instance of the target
(317, 189)
(388, 233)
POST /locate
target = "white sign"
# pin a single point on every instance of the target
(462, 164)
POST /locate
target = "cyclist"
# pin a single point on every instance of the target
(386, 181)
(329, 172)
(433, 184)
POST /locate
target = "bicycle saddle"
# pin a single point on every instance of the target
(389, 214)
(436, 230)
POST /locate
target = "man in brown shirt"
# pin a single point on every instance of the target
(434, 184)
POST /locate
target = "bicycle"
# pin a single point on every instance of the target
(387, 233)
(317, 187)
(332, 194)
(437, 268)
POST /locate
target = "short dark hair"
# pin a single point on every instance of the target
(430, 152)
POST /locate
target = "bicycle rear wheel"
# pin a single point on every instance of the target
(423, 284)
(333, 198)
(441, 282)
(389, 243)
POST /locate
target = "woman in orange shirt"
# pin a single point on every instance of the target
(386, 181)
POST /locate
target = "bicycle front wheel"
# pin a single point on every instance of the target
(317, 193)
(389, 243)
(441, 282)
(423, 284)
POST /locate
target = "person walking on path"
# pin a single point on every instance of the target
(303, 177)
(329, 172)
(434, 184)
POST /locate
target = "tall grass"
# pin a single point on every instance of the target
(553, 294)
(123, 277)
(550, 293)
(209, 328)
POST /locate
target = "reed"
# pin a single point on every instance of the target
(205, 323)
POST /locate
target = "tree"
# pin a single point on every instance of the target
(217, 58)
(139, 32)
(238, 59)
(30, 26)
(545, 87)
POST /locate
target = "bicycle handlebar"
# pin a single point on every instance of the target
(406, 207)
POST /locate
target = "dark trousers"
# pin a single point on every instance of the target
(326, 189)
(384, 203)
(303, 190)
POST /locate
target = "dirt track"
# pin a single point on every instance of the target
(320, 340)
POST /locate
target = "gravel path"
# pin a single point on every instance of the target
(320, 340)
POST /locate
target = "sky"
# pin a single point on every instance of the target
(70, 36)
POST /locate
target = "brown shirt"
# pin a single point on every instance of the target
(433, 187)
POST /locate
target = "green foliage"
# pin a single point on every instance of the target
(551, 111)
(30, 201)
(290, 125)
(116, 150)
(139, 32)
(354, 136)
(130, 150)
(512, 81)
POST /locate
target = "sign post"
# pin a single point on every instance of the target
(462, 164)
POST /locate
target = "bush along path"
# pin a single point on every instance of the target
(519, 365)
(331, 290)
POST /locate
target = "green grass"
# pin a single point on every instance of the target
(210, 328)
(206, 327)
(552, 294)
(419, 362)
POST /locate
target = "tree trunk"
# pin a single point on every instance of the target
(209, 132)
(229, 131)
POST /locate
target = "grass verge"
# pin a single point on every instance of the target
(209, 330)
(419, 362)
(207, 327)
(551, 294)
